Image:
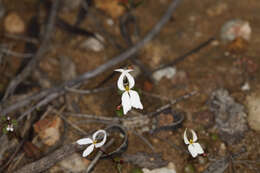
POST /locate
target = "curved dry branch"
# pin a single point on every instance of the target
(48, 95)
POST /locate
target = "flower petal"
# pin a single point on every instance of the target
(194, 136)
(130, 79)
(119, 70)
(88, 150)
(135, 100)
(97, 145)
(129, 70)
(186, 141)
(193, 151)
(126, 102)
(120, 82)
(198, 148)
(84, 141)
(123, 70)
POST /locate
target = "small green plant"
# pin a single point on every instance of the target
(119, 111)
(8, 124)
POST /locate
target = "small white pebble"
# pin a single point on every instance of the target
(121, 135)
(245, 87)
(168, 72)
(100, 38)
(215, 43)
(92, 44)
(234, 29)
(110, 22)
(192, 18)
(226, 53)
(198, 34)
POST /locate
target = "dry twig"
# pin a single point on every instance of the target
(186, 55)
(50, 160)
(99, 154)
(51, 94)
(38, 56)
(16, 54)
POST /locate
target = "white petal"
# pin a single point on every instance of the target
(198, 148)
(129, 70)
(135, 100)
(84, 141)
(119, 70)
(103, 140)
(88, 150)
(126, 102)
(194, 136)
(195, 149)
(130, 79)
(186, 141)
(192, 150)
(120, 82)
(123, 70)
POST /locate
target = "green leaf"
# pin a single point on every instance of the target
(214, 136)
(136, 170)
(120, 92)
(1, 86)
(14, 122)
(3, 118)
(139, 91)
(119, 167)
(120, 112)
(189, 169)
(117, 159)
(4, 130)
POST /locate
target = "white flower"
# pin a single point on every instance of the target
(10, 128)
(130, 98)
(194, 148)
(93, 142)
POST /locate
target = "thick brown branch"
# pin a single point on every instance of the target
(48, 161)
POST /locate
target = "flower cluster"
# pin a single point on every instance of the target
(130, 98)
(8, 124)
(93, 142)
